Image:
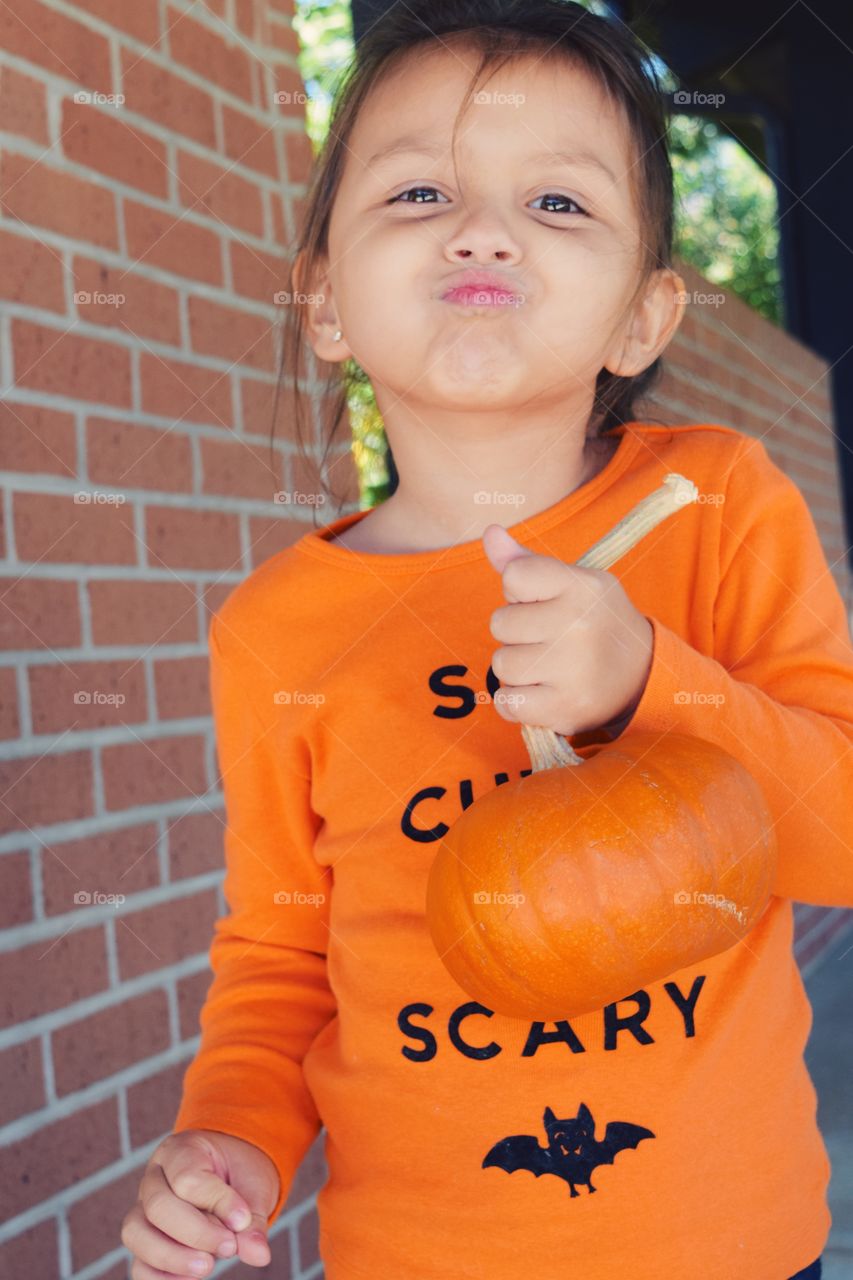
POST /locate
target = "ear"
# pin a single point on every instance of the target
(321, 316)
(654, 321)
(585, 1116)
(549, 1117)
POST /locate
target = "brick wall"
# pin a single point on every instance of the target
(141, 245)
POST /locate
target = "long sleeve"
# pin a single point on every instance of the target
(778, 692)
(270, 996)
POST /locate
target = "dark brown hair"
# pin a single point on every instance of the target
(499, 30)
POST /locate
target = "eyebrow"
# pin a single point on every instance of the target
(578, 158)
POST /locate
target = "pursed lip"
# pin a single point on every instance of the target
(487, 287)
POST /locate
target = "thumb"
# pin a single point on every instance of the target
(501, 547)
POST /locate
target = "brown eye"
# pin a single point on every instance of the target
(408, 191)
(556, 195)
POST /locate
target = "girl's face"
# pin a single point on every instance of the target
(403, 228)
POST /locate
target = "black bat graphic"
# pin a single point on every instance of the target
(572, 1152)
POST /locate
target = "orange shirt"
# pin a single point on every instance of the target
(351, 695)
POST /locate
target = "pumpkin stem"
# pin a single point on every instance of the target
(547, 749)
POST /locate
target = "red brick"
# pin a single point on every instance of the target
(207, 188)
(192, 539)
(37, 613)
(290, 93)
(87, 695)
(165, 934)
(63, 363)
(125, 301)
(69, 49)
(106, 1042)
(31, 273)
(41, 196)
(38, 790)
(186, 392)
(168, 99)
(98, 138)
(88, 1140)
(38, 439)
(257, 396)
(21, 1086)
(33, 1253)
(181, 688)
(233, 335)
(257, 274)
(54, 527)
(308, 1237)
(269, 535)
(176, 245)
(125, 454)
(250, 142)
(153, 771)
(209, 55)
(284, 38)
(50, 974)
(16, 903)
(195, 845)
(95, 1221)
(142, 613)
(153, 1104)
(192, 992)
(10, 723)
(121, 861)
(23, 105)
(140, 19)
(246, 12)
(238, 469)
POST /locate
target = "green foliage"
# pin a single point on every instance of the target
(726, 211)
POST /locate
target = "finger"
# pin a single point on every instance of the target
(527, 704)
(189, 1166)
(530, 578)
(523, 664)
(142, 1271)
(524, 623)
(151, 1246)
(182, 1221)
(252, 1245)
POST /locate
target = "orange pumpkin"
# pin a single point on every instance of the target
(571, 888)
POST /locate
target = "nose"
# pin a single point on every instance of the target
(485, 237)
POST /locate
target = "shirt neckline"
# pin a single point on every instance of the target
(315, 543)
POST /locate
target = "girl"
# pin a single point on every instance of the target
(488, 234)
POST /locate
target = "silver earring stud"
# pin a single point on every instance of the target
(338, 335)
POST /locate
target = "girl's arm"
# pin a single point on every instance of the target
(778, 693)
(270, 996)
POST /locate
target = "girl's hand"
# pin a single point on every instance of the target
(204, 1195)
(576, 653)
